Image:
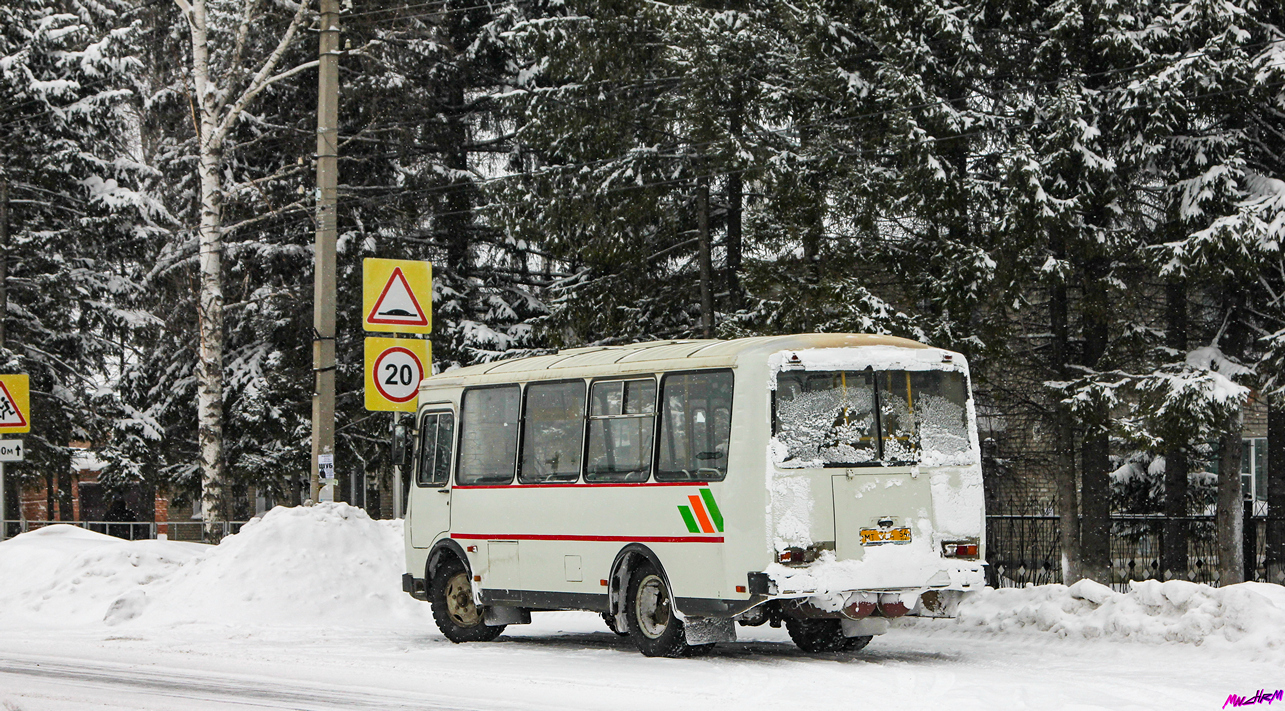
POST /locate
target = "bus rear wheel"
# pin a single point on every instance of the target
(815, 636)
(654, 626)
(454, 611)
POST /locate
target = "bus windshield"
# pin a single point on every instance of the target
(854, 418)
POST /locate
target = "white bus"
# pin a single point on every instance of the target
(825, 481)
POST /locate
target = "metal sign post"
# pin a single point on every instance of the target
(397, 474)
(11, 450)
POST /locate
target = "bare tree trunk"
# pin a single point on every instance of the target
(1173, 553)
(1068, 490)
(218, 108)
(1230, 515)
(209, 310)
(210, 370)
(735, 206)
(706, 268)
(1095, 483)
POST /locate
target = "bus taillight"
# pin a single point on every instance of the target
(960, 549)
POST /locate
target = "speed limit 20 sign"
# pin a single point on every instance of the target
(394, 367)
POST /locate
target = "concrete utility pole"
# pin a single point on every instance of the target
(4, 256)
(4, 308)
(323, 313)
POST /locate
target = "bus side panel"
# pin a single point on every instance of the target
(743, 496)
(560, 531)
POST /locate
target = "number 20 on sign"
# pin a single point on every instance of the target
(394, 367)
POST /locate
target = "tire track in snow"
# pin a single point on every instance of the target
(217, 688)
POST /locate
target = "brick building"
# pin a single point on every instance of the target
(95, 505)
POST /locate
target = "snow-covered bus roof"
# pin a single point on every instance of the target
(646, 358)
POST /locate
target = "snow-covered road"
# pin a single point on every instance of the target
(569, 661)
(303, 611)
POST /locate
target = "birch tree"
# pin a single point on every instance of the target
(223, 88)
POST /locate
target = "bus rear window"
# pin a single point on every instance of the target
(829, 418)
(825, 419)
(489, 436)
(923, 417)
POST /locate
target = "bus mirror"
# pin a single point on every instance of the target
(399, 446)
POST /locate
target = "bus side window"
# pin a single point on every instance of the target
(622, 425)
(695, 426)
(489, 438)
(552, 432)
(436, 439)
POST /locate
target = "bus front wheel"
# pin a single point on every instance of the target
(653, 624)
(454, 611)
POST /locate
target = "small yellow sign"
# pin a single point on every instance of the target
(15, 404)
(394, 367)
(397, 296)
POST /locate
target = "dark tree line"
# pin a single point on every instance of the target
(1085, 197)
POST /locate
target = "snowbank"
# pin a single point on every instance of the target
(63, 575)
(328, 564)
(1247, 616)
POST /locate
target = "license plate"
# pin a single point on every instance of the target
(876, 536)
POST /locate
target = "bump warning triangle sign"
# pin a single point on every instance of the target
(397, 295)
(397, 304)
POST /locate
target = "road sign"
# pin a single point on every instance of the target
(15, 410)
(11, 450)
(394, 367)
(397, 296)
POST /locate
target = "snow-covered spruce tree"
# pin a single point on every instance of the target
(74, 219)
(1216, 55)
(638, 152)
(1072, 187)
(600, 190)
(1186, 110)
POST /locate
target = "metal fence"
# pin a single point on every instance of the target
(1026, 549)
(193, 531)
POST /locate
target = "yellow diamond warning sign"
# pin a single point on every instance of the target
(394, 367)
(397, 296)
(15, 404)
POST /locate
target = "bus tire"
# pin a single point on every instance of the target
(654, 627)
(856, 644)
(815, 636)
(454, 611)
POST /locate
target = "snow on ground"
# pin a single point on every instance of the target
(1248, 616)
(303, 609)
(292, 566)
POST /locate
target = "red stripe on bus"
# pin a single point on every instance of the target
(577, 486)
(698, 508)
(615, 539)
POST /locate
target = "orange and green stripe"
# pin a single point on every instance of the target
(703, 515)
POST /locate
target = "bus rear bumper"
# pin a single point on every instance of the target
(800, 594)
